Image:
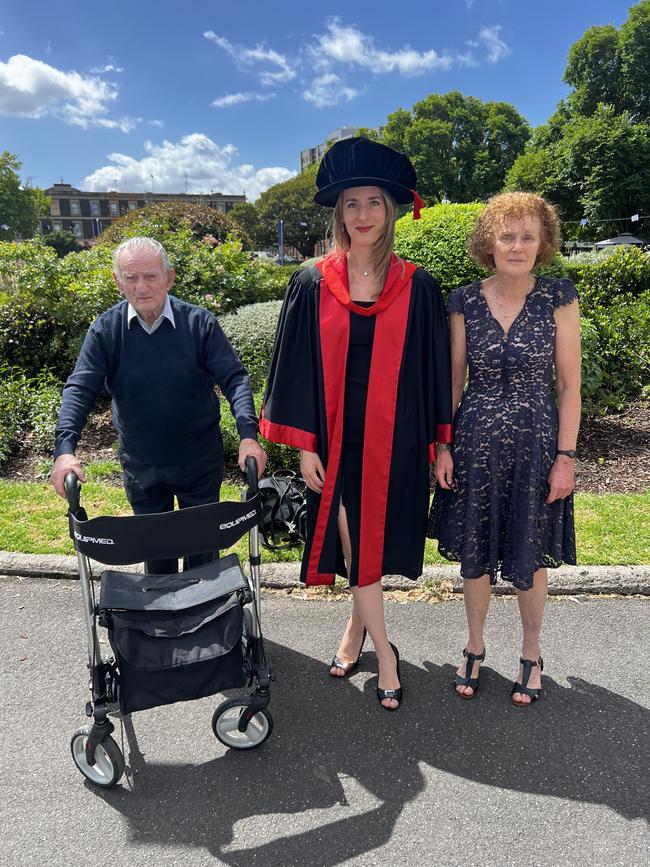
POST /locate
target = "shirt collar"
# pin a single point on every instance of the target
(166, 313)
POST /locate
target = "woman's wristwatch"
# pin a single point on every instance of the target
(570, 453)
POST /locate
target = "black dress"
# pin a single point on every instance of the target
(357, 374)
(505, 437)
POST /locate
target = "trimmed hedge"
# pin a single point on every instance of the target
(251, 330)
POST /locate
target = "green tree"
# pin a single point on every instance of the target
(592, 156)
(63, 242)
(635, 60)
(593, 70)
(245, 215)
(20, 205)
(292, 201)
(460, 146)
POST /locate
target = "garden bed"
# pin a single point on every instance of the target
(614, 452)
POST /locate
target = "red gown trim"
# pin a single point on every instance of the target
(289, 436)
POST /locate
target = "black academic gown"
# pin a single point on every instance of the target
(408, 409)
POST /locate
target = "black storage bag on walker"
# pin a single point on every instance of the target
(176, 637)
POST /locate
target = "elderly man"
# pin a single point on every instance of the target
(160, 359)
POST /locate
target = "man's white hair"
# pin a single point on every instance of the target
(133, 245)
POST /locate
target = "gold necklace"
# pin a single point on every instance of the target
(499, 304)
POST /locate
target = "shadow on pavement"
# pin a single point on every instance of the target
(336, 773)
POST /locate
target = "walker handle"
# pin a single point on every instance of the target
(72, 487)
(251, 477)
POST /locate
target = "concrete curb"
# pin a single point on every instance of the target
(567, 580)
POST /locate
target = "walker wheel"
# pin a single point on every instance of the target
(109, 762)
(225, 724)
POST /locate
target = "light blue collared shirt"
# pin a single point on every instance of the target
(167, 313)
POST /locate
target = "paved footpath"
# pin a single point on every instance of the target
(440, 782)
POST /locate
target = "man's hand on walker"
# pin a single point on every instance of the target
(250, 447)
(63, 465)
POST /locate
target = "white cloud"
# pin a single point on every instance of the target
(109, 67)
(328, 89)
(488, 38)
(344, 44)
(159, 123)
(31, 88)
(249, 59)
(231, 99)
(206, 165)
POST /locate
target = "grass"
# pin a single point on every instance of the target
(611, 529)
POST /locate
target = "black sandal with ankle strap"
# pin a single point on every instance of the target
(534, 694)
(468, 680)
(348, 667)
(395, 694)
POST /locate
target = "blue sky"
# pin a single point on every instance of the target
(223, 95)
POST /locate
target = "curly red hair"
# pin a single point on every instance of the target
(505, 207)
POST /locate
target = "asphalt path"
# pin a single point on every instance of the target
(441, 782)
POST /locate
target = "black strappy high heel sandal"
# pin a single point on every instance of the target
(523, 688)
(348, 667)
(396, 694)
(468, 680)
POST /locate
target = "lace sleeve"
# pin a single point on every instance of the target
(565, 293)
(456, 301)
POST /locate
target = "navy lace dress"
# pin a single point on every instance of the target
(505, 436)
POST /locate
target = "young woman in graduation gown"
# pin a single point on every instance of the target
(360, 382)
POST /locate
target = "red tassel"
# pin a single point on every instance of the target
(418, 204)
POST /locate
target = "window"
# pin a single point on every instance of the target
(94, 207)
(57, 226)
(115, 209)
(75, 210)
(76, 230)
(55, 211)
(133, 206)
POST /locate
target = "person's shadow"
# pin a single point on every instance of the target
(331, 742)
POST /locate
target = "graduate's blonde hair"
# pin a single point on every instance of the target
(341, 242)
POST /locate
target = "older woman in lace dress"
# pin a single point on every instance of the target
(505, 503)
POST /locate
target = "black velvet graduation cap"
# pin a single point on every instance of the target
(361, 162)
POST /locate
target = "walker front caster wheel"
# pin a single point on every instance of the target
(226, 719)
(109, 762)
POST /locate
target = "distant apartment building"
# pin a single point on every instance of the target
(308, 156)
(87, 214)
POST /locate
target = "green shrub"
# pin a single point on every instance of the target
(44, 403)
(165, 220)
(251, 330)
(13, 410)
(624, 272)
(624, 343)
(593, 365)
(27, 403)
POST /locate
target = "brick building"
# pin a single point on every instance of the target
(87, 214)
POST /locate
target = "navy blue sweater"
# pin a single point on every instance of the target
(165, 409)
